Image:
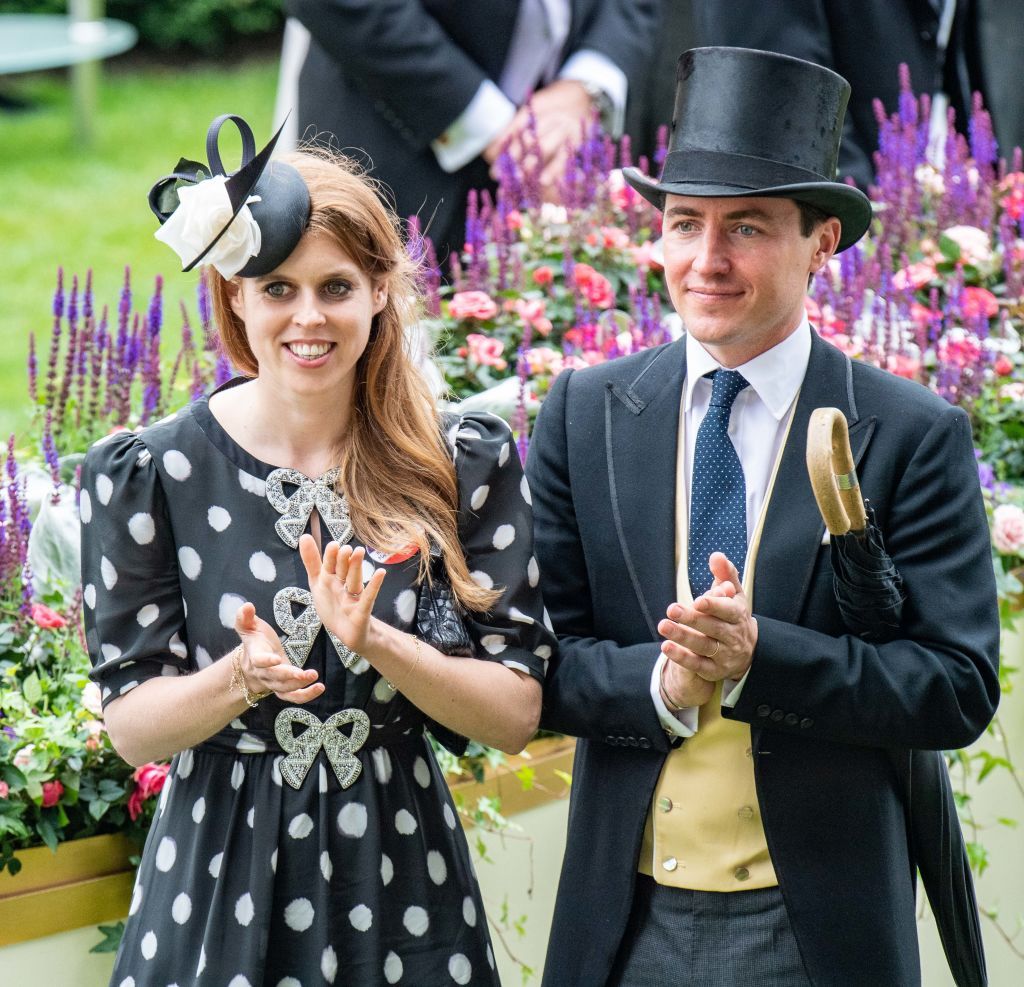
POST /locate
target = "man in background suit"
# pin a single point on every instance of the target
(426, 91)
(864, 41)
(737, 814)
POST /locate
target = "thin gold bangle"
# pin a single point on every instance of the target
(238, 680)
(419, 654)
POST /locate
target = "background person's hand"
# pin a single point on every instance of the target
(562, 109)
(264, 665)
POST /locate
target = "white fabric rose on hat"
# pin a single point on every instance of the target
(203, 212)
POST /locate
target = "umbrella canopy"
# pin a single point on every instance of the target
(870, 595)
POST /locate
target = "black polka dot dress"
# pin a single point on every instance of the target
(301, 845)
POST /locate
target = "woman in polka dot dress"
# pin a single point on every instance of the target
(251, 571)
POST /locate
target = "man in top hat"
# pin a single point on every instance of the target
(736, 811)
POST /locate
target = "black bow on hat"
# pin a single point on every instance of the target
(275, 193)
(753, 123)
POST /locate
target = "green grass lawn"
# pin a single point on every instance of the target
(80, 209)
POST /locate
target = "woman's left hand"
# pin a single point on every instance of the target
(344, 604)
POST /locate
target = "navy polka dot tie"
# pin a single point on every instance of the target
(718, 501)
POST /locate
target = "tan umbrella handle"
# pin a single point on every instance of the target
(833, 475)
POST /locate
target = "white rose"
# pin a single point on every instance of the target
(975, 246)
(203, 212)
(1008, 529)
(91, 699)
(23, 758)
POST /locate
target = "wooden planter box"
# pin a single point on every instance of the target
(547, 758)
(84, 883)
(90, 881)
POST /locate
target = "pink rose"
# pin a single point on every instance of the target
(95, 728)
(1012, 392)
(544, 360)
(979, 301)
(52, 791)
(44, 617)
(609, 237)
(486, 351)
(543, 275)
(643, 256)
(1008, 529)
(531, 311)
(596, 288)
(915, 276)
(149, 781)
(959, 348)
(1013, 187)
(514, 220)
(472, 305)
(903, 366)
(4, 789)
(621, 194)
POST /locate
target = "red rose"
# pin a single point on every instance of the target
(52, 791)
(1003, 365)
(543, 275)
(4, 789)
(43, 616)
(596, 288)
(149, 781)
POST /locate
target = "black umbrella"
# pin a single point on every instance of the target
(870, 595)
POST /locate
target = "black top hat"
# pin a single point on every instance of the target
(274, 192)
(751, 123)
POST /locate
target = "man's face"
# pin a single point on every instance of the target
(737, 270)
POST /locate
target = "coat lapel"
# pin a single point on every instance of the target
(641, 431)
(793, 527)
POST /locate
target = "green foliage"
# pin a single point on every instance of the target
(206, 26)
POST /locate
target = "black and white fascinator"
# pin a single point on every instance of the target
(245, 223)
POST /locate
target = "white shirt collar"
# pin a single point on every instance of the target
(775, 375)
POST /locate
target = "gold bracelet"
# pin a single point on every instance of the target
(419, 654)
(670, 703)
(238, 680)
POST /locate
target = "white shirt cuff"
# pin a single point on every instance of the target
(591, 66)
(489, 113)
(681, 724)
(731, 689)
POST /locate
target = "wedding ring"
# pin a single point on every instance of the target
(718, 647)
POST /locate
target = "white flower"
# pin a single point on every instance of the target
(91, 699)
(1007, 531)
(975, 245)
(23, 758)
(204, 210)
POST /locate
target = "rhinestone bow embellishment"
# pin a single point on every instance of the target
(302, 630)
(295, 509)
(339, 748)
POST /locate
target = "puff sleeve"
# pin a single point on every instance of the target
(134, 613)
(496, 531)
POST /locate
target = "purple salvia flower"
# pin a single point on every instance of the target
(33, 369)
(70, 356)
(50, 456)
(205, 313)
(51, 363)
(198, 383)
(97, 352)
(155, 313)
(223, 371)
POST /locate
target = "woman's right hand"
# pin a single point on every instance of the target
(265, 666)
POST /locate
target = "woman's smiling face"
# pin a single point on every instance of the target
(308, 321)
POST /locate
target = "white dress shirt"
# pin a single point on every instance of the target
(534, 59)
(757, 427)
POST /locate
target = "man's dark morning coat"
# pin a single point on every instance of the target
(826, 710)
(388, 77)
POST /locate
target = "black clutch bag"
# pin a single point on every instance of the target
(438, 618)
(439, 623)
